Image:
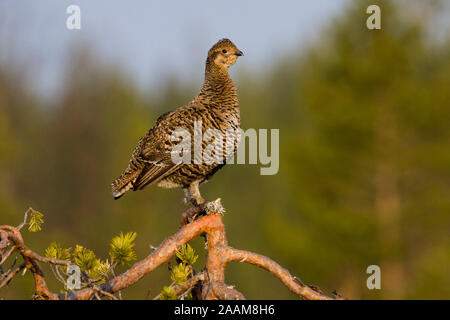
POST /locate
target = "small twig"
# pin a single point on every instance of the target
(96, 295)
(57, 275)
(20, 226)
(7, 254)
(113, 297)
(12, 275)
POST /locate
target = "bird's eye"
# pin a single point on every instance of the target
(224, 51)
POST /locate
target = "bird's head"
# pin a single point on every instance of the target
(224, 53)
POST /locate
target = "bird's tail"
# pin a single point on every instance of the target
(124, 182)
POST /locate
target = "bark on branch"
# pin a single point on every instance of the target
(211, 280)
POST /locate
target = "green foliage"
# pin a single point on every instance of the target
(84, 258)
(100, 270)
(180, 273)
(55, 251)
(168, 293)
(121, 250)
(36, 221)
(95, 270)
(187, 254)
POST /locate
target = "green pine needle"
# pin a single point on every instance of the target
(187, 254)
(55, 251)
(180, 273)
(122, 248)
(100, 270)
(84, 258)
(36, 221)
(168, 293)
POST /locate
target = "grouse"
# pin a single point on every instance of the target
(215, 107)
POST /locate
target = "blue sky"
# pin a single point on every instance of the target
(150, 40)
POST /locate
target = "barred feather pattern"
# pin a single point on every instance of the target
(216, 106)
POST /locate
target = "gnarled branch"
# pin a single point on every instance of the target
(211, 280)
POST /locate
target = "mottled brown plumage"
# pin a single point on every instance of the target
(216, 106)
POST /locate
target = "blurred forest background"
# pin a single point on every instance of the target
(364, 119)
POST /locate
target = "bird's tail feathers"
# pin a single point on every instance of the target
(124, 183)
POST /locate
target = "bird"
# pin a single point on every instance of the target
(216, 106)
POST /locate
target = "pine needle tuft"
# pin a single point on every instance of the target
(168, 293)
(55, 251)
(36, 221)
(84, 258)
(180, 273)
(121, 250)
(187, 254)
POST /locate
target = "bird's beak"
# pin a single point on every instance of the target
(239, 53)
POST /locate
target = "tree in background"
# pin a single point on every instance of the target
(368, 159)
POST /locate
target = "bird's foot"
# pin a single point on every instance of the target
(214, 207)
(205, 208)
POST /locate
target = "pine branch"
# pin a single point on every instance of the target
(211, 281)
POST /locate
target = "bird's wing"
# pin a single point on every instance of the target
(151, 160)
(154, 173)
(155, 152)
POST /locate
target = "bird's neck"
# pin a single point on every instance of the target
(218, 87)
